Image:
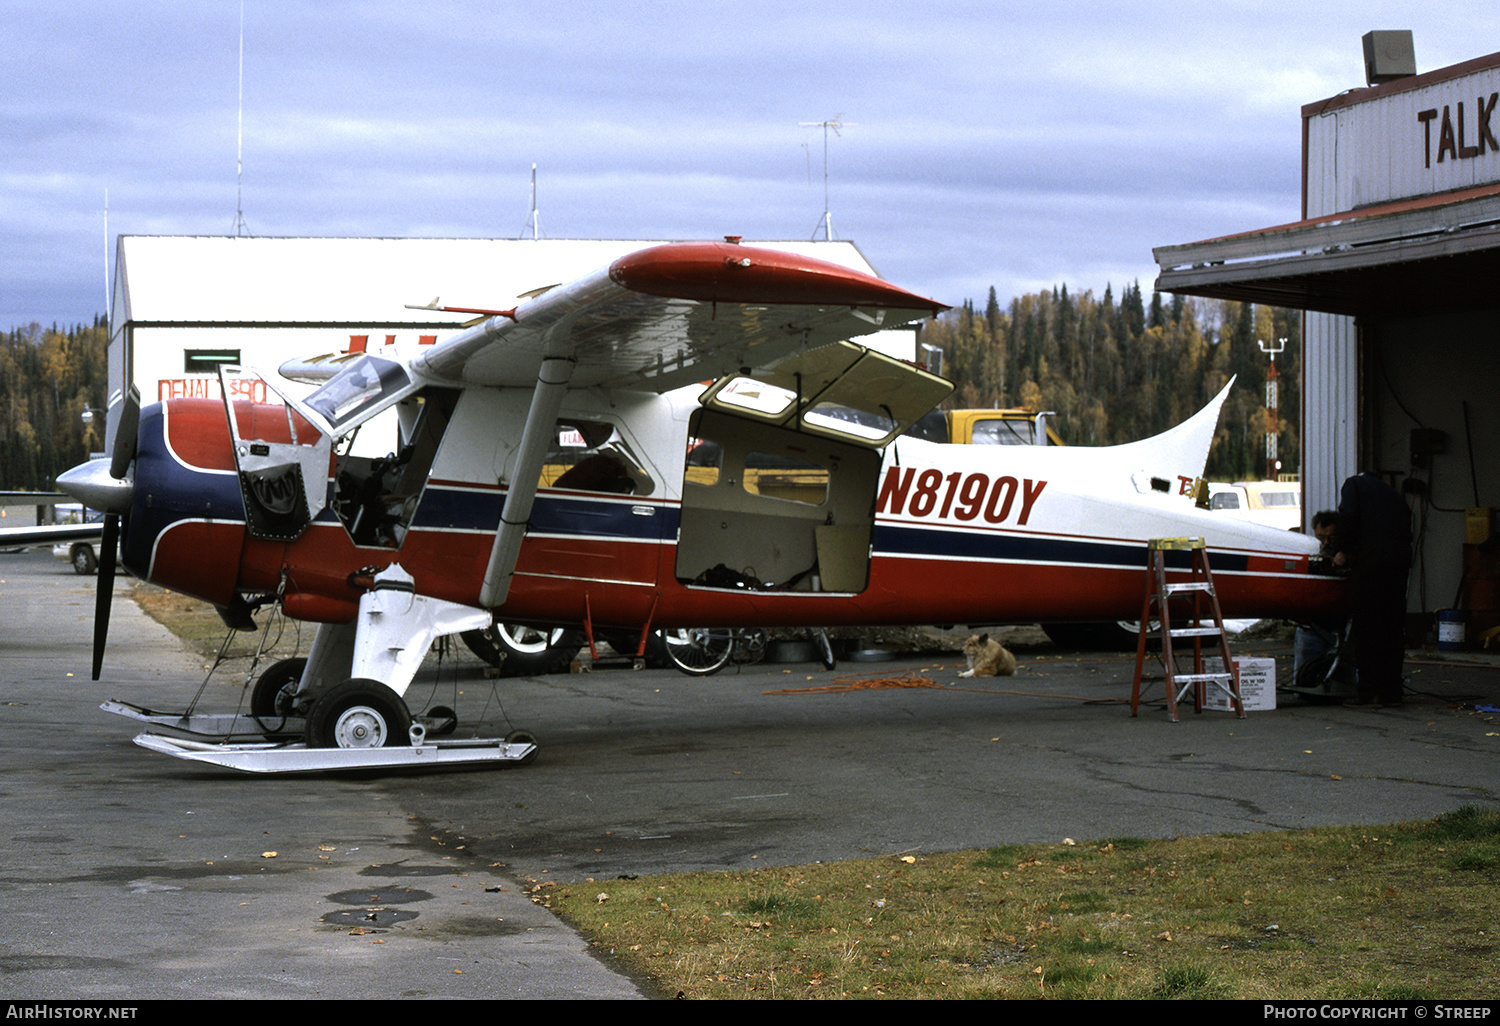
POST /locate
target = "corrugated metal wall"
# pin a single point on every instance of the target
(1400, 144)
(1330, 405)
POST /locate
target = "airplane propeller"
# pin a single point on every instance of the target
(108, 487)
(125, 435)
(108, 552)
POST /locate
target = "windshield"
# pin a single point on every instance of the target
(360, 389)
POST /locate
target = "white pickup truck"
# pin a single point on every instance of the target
(1273, 503)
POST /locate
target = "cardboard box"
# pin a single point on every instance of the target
(1257, 685)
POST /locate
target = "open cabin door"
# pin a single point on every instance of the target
(783, 466)
(282, 459)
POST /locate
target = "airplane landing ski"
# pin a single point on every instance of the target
(267, 758)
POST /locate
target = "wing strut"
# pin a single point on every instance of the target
(536, 440)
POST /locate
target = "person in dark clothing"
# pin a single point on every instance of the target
(1370, 536)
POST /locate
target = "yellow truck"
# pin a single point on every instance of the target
(1014, 426)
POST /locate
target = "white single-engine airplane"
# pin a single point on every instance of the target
(552, 470)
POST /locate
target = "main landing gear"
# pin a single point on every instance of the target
(356, 725)
(358, 714)
(342, 707)
(355, 714)
(520, 651)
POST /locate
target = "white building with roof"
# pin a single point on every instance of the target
(1395, 258)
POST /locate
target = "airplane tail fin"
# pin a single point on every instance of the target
(1177, 453)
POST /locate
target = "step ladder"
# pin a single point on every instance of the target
(1197, 612)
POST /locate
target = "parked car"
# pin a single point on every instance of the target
(84, 555)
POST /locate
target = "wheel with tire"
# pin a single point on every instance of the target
(626, 642)
(358, 714)
(1326, 679)
(521, 651)
(444, 721)
(825, 649)
(699, 651)
(84, 560)
(523, 737)
(276, 689)
(1103, 636)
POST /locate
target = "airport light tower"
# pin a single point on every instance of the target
(1273, 464)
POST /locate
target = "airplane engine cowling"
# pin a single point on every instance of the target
(186, 526)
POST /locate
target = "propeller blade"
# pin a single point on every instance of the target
(108, 552)
(125, 435)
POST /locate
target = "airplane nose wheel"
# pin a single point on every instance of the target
(276, 689)
(358, 714)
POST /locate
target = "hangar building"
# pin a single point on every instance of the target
(1396, 261)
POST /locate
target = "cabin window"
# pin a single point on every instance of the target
(863, 425)
(757, 397)
(705, 461)
(592, 456)
(779, 477)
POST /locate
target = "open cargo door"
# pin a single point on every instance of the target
(782, 468)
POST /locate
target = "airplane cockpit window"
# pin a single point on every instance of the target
(591, 456)
(358, 390)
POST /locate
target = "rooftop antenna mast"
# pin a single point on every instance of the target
(535, 221)
(240, 228)
(826, 222)
(108, 304)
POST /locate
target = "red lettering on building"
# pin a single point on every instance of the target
(208, 388)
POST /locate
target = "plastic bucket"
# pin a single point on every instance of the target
(1452, 630)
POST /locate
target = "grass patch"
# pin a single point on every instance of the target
(199, 625)
(1400, 912)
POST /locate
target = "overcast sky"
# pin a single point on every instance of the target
(1019, 145)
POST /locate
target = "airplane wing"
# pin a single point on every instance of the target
(49, 534)
(671, 315)
(653, 320)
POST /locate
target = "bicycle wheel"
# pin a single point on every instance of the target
(825, 649)
(1327, 678)
(750, 644)
(699, 651)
